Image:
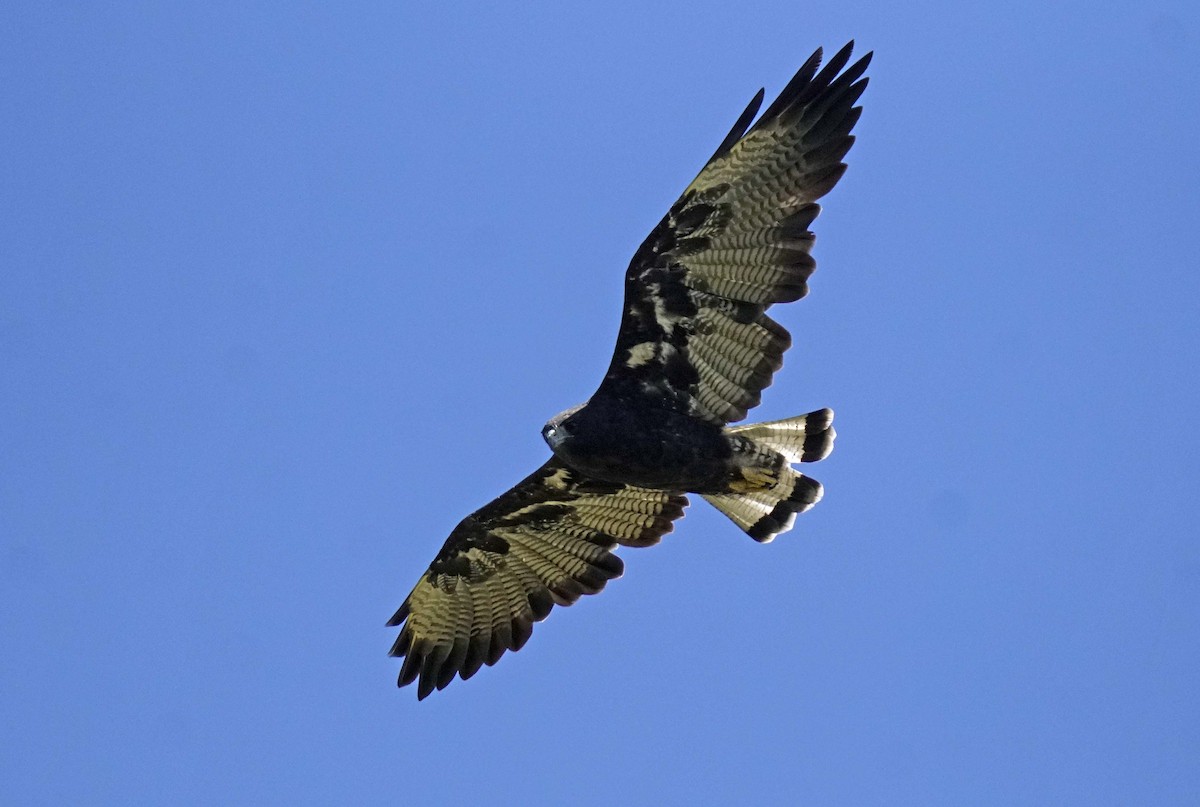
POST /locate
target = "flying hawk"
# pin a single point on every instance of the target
(694, 351)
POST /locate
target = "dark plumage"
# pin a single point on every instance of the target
(694, 351)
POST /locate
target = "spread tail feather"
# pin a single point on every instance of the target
(804, 438)
(772, 509)
(767, 513)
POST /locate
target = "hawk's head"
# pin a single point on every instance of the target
(558, 429)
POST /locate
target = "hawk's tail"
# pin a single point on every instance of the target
(766, 501)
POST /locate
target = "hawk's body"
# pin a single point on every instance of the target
(694, 351)
(658, 447)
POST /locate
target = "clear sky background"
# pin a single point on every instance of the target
(286, 290)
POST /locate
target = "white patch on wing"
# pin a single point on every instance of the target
(665, 320)
(641, 353)
(559, 480)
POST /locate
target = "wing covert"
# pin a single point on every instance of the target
(694, 334)
(546, 542)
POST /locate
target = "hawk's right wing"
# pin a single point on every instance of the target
(546, 542)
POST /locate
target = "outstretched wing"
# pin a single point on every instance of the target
(546, 542)
(694, 335)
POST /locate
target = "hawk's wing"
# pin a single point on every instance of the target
(694, 335)
(545, 542)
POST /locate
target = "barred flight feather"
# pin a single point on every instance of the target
(547, 542)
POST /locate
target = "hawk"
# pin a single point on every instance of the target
(695, 349)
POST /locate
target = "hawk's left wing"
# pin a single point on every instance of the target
(694, 335)
(546, 542)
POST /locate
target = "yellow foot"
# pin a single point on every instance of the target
(753, 479)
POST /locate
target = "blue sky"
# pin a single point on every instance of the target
(288, 289)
